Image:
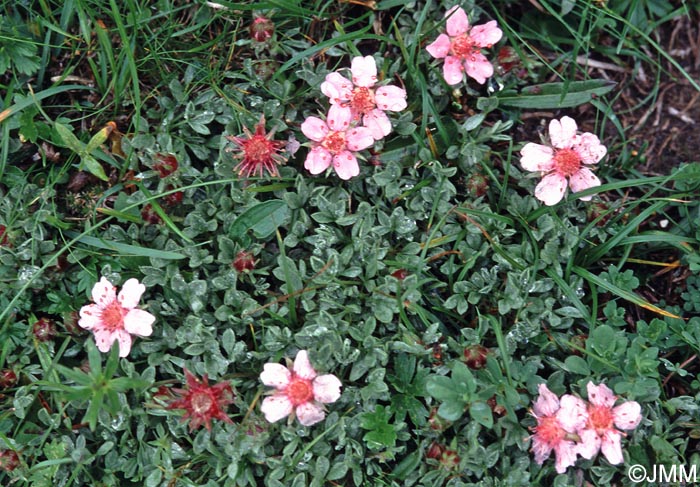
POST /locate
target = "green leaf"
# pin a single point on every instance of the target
(462, 378)
(482, 414)
(68, 138)
(263, 219)
(382, 433)
(442, 388)
(93, 167)
(577, 365)
(126, 249)
(557, 95)
(452, 410)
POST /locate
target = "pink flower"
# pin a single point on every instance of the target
(565, 158)
(599, 432)
(335, 143)
(461, 47)
(360, 99)
(257, 151)
(557, 422)
(116, 317)
(299, 391)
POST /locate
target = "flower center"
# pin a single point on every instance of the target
(201, 403)
(257, 149)
(299, 391)
(334, 142)
(362, 100)
(464, 47)
(113, 317)
(549, 430)
(600, 419)
(567, 162)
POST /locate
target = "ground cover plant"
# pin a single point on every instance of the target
(348, 243)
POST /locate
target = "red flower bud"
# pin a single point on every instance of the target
(8, 378)
(165, 164)
(44, 329)
(262, 29)
(244, 261)
(9, 460)
(475, 356)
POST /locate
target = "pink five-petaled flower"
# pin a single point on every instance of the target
(360, 98)
(599, 432)
(557, 422)
(461, 47)
(257, 152)
(565, 158)
(299, 391)
(203, 402)
(335, 143)
(116, 317)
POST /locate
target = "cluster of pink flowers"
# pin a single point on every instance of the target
(570, 427)
(356, 119)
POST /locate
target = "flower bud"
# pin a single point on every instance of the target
(44, 329)
(261, 29)
(244, 261)
(475, 356)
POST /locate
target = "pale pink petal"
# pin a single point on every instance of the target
(589, 445)
(439, 47)
(452, 70)
(90, 316)
(610, 447)
(627, 415)
(138, 322)
(104, 339)
(124, 340)
(390, 98)
(276, 407)
(318, 160)
(565, 455)
(590, 149)
(551, 189)
(541, 449)
(275, 375)
(478, 67)
(314, 128)
(364, 71)
(600, 395)
(337, 87)
(378, 124)
(486, 35)
(359, 138)
(303, 367)
(103, 292)
(310, 413)
(572, 414)
(339, 117)
(562, 133)
(583, 179)
(536, 157)
(345, 165)
(547, 403)
(131, 293)
(457, 21)
(326, 388)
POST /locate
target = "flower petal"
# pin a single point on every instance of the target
(103, 292)
(478, 67)
(572, 414)
(318, 160)
(337, 87)
(547, 402)
(439, 47)
(452, 70)
(627, 415)
(339, 117)
(359, 138)
(589, 445)
(536, 157)
(275, 375)
(314, 128)
(457, 21)
(378, 124)
(611, 448)
(390, 98)
(486, 35)
(600, 395)
(276, 407)
(124, 340)
(542, 449)
(303, 367)
(551, 189)
(562, 133)
(326, 388)
(364, 71)
(138, 322)
(131, 293)
(583, 179)
(310, 413)
(90, 317)
(104, 340)
(565, 455)
(590, 149)
(345, 165)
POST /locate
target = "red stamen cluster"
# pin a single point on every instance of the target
(203, 402)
